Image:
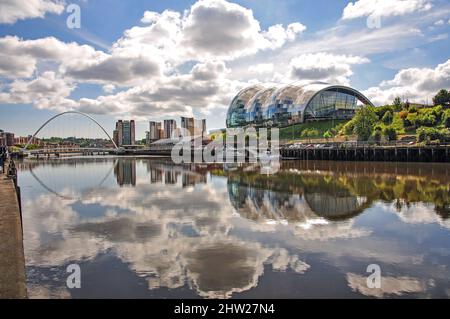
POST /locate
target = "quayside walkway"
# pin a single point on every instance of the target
(12, 261)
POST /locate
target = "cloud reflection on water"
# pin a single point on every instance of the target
(205, 227)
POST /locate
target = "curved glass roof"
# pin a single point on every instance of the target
(262, 97)
(236, 113)
(258, 104)
(244, 96)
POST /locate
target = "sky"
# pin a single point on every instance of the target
(155, 60)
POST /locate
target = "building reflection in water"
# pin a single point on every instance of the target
(237, 230)
(191, 179)
(260, 204)
(156, 176)
(334, 191)
(190, 175)
(171, 177)
(125, 172)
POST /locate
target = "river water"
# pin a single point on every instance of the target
(145, 228)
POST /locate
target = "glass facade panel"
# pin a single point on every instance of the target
(294, 103)
(332, 104)
(237, 113)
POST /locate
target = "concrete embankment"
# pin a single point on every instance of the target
(12, 261)
(384, 154)
(439, 154)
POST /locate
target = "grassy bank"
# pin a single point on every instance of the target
(310, 129)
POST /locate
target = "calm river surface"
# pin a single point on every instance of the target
(145, 228)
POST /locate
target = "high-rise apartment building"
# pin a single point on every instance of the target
(6, 139)
(200, 125)
(125, 133)
(155, 131)
(187, 123)
(193, 126)
(133, 132)
(169, 128)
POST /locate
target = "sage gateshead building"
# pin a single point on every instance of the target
(299, 102)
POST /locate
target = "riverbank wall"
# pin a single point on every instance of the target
(438, 154)
(12, 260)
(338, 152)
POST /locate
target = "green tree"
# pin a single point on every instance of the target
(387, 118)
(348, 128)
(378, 127)
(442, 98)
(397, 104)
(365, 120)
(446, 118)
(426, 119)
(412, 109)
(376, 135)
(411, 119)
(437, 111)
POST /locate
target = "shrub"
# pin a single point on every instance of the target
(446, 118)
(403, 115)
(426, 119)
(309, 132)
(382, 110)
(378, 127)
(426, 132)
(348, 127)
(432, 133)
(390, 133)
(411, 119)
(327, 135)
(412, 109)
(387, 118)
(335, 130)
(437, 112)
(376, 135)
(398, 124)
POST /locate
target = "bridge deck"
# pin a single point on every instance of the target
(12, 261)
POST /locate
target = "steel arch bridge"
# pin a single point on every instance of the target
(68, 150)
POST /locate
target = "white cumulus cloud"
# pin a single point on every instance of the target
(172, 64)
(13, 10)
(384, 8)
(47, 91)
(325, 67)
(415, 84)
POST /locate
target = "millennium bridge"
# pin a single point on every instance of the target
(45, 150)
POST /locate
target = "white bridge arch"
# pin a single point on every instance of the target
(69, 112)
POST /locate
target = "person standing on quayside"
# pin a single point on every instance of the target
(2, 158)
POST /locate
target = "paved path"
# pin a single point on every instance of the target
(12, 261)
